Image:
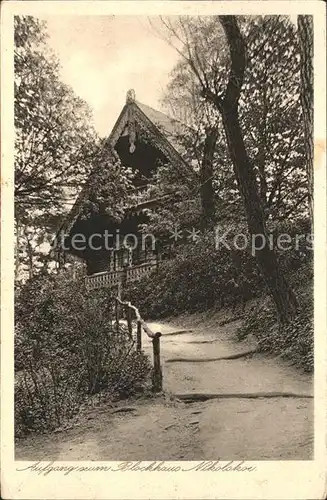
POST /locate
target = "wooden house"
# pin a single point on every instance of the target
(142, 138)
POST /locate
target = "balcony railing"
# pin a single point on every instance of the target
(109, 279)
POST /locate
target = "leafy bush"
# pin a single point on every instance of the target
(201, 276)
(44, 402)
(294, 341)
(67, 347)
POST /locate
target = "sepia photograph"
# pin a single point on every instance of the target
(163, 227)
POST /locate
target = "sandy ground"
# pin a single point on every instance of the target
(165, 428)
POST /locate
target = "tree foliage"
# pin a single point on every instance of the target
(269, 107)
(54, 140)
(109, 185)
(271, 116)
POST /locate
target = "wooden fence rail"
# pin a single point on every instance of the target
(154, 336)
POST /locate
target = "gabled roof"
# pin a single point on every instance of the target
(168, 126)
(162, 128)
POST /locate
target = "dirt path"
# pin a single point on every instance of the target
(164, 428)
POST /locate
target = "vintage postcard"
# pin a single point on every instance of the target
(163, 250)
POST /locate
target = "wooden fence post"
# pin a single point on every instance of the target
(117, 308)
(157, 373)
(117, 315)
(129, 321)
(139, 337)
(141, 324)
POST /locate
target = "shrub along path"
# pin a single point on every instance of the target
(242, 408)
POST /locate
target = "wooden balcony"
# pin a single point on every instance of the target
(109, 279)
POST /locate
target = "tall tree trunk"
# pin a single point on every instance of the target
(206, 174)
(280, 291)
(305, 33)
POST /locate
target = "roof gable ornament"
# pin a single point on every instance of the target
(130, 96)
(130, 99)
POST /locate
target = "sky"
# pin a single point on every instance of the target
(102, 57)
